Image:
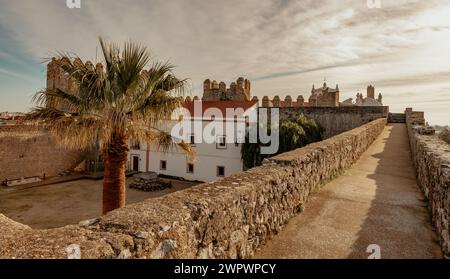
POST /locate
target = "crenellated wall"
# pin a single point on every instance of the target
(336, 120)
(230, 218)
(238, 91)
(431, 157)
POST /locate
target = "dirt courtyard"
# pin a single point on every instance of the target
(66, 203)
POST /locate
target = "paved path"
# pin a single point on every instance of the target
(377, 201)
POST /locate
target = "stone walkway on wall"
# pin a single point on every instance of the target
(377, 201)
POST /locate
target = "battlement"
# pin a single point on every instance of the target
(287, 102)
(57, 79)
(238, 91)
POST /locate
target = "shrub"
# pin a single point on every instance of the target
(445, 136)
(294, 134)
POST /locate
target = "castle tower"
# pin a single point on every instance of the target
(371, 92)
(58, 80)
(53, 72)
(380, 98)
(238, 91)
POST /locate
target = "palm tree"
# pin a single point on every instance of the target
(119, 101)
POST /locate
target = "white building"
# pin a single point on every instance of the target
(219, 158)
(369, 101)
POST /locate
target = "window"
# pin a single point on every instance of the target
(163, 165)
(236, 141)
(220, 171)
(192, 139)
(221, 142)
(135, 145)
(135, 162)
(190, 168)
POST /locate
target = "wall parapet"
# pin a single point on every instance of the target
(431, 157)
(230, 218)
(336, 120)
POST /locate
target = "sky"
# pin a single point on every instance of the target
(282, 46)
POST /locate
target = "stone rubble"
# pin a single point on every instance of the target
(149, 183)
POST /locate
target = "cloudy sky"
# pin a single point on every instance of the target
(283, 46)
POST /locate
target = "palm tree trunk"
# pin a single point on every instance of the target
(114, 187)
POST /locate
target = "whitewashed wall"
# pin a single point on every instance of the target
(208, 157)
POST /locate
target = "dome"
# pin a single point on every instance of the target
(369, 102)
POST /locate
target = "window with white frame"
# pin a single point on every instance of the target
(221, 142)
(192, 139)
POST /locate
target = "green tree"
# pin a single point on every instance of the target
(121, 100)
(293, 134)
(250, 152)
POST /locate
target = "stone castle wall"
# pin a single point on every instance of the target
(238, 91)
(431, 158)
(336, 120)
(27, 152)
(230, 218)
(58, 80)
(326, 99)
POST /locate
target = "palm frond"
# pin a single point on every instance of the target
(46, 113)
(115, 101)
(59, 98)
(165, 142)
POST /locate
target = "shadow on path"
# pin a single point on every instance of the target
(377, 201)
(397, 220)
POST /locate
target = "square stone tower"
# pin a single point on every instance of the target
(238, 91)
